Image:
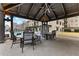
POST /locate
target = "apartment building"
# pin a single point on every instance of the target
(73, 22)
(56, 25)
(7, 29)
(34, 25)
(18, 27)
(53, 25)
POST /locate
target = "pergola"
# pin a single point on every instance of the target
(35, 11)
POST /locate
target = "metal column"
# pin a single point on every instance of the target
(45, 27)
(12, 32)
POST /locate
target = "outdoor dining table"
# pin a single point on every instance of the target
(47, 35)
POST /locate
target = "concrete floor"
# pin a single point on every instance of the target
(59, 47)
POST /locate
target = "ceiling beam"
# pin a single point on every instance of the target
(18, 9)
(71, 15)
(17, 15)
(64, 9)
(40, 17)
(68, 16)
(43, 16)
(38, 11)
(10, 6)
(54, 13)
(48, 17)
(29, 10)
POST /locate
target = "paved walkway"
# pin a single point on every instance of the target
(68, 34)
(59, 47)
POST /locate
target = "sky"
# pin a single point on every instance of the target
(19, 20)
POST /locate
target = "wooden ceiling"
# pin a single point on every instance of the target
(35, 11)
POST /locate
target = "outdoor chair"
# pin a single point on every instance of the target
(13, 40)
(28, 37)
(38, 37)
(54, 34)
(48, 36)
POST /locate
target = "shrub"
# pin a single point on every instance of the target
(67, 30)
(76, 30)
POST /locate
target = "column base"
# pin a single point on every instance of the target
(1, 41)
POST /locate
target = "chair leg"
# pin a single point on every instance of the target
(22, 50)
(12, 45)
(33, 43)
(33, 47)
(22, 44)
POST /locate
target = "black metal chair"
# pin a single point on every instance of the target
(13, 40)
(54, 34)
(29, 37)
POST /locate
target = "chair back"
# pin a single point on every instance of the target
(27, 36)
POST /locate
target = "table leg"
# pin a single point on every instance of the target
(46, 37)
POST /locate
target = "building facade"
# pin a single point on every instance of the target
(7, 29)
(57, 25)
(34, 25)
(73, 22)
(53, 25)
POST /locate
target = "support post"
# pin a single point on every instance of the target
(12, 32)
(2, 32)
(45, 27)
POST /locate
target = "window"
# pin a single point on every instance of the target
(57, 21)
(60, 23)
(57, 28)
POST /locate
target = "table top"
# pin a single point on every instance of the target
(49, 33)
